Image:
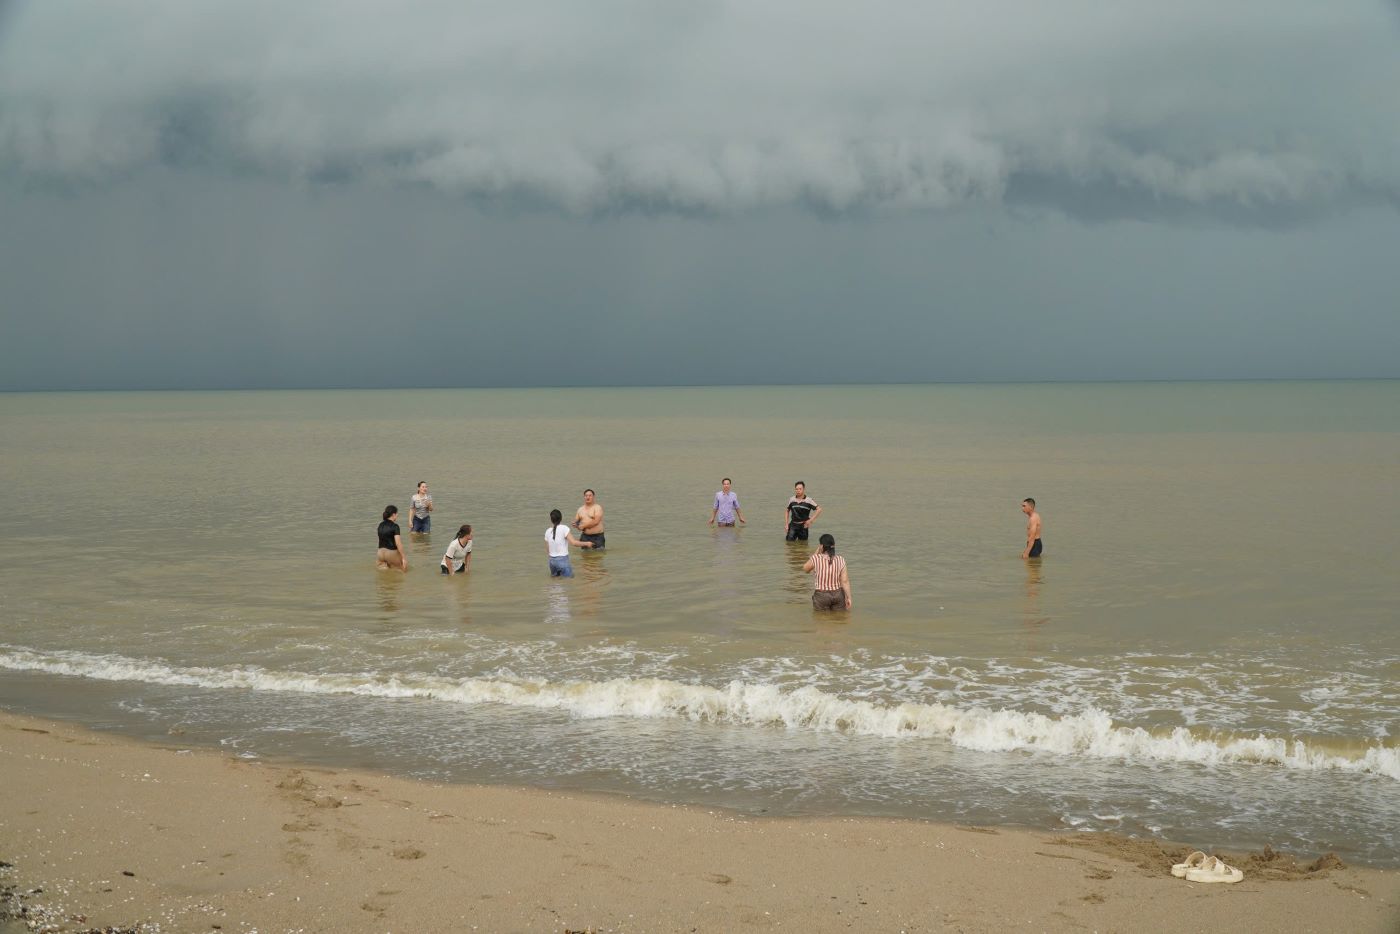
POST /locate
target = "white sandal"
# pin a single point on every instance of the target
(1195, 861)
(1214, 870)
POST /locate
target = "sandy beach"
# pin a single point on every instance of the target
(99, 832)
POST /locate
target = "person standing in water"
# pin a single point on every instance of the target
(422, 509)
(458, 559)
(801, 513)
(726, 506)
(557, 540)
(1033, 547)
(833, 584)
(391, 554)
(589, 521)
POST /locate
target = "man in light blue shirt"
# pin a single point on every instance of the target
(726, 507)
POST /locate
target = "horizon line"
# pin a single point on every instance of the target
(832, 385)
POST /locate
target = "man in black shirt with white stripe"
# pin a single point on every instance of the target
(801, 513)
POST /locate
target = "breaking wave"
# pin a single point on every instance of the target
(1089, 733)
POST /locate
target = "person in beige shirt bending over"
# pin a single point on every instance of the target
(589, 521)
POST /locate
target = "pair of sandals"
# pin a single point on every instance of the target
(1202, 868)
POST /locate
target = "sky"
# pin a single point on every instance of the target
(336, 193)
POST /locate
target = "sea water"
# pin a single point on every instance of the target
(1207, 651)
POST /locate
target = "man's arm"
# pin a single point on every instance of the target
(714, 512)
(1032, 532)
(813, 518)
(739, 513)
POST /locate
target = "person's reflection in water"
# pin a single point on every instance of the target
(556, 608)
(1033, 612)
(797, 578)
(727, 574)
(420, 546)
(457, 599)
(388, 589)
(588, 590)
(581, 599)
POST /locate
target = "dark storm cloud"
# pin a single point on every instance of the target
(219, 194)
(1252, 112)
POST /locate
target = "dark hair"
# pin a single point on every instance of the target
(464, 530)
(801, 484)
(726, 480)
(828, 545)
(1029, 500)
(556, 517)
(420, 483)
(389, 511)
(590, 491)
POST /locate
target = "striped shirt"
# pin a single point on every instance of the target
(828, 570)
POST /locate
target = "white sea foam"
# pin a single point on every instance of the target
(1089, 733)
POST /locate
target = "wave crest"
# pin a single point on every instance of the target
(1091, 733)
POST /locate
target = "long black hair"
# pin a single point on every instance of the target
(828, 545)
(555, 516)
(389, 511)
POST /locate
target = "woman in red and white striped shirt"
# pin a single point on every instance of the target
(833, 584)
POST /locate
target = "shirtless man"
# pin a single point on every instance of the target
(1033, 547)
(589, 521)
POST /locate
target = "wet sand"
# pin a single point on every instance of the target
(100, 832)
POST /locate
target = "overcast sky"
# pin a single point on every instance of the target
(337, 193)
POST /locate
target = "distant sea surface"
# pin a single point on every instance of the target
(1208, 650)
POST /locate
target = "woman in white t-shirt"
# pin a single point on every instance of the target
(556, 544)
(458, 559)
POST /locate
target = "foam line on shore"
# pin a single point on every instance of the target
(1090, 733)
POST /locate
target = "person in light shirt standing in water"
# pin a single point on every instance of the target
(833, 584)
(801, 513)
(557, 540)
(422, 509)
(589, 521)
(458, 559)
(726, 506)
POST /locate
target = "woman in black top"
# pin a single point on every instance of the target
(391, 552)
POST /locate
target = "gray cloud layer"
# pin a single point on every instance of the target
(208, 194)
(1251, 112)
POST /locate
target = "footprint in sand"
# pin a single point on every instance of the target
(408, 852)
(379, 901)
(718, 878)
(296, 782)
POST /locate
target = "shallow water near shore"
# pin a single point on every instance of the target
(1207, 651)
